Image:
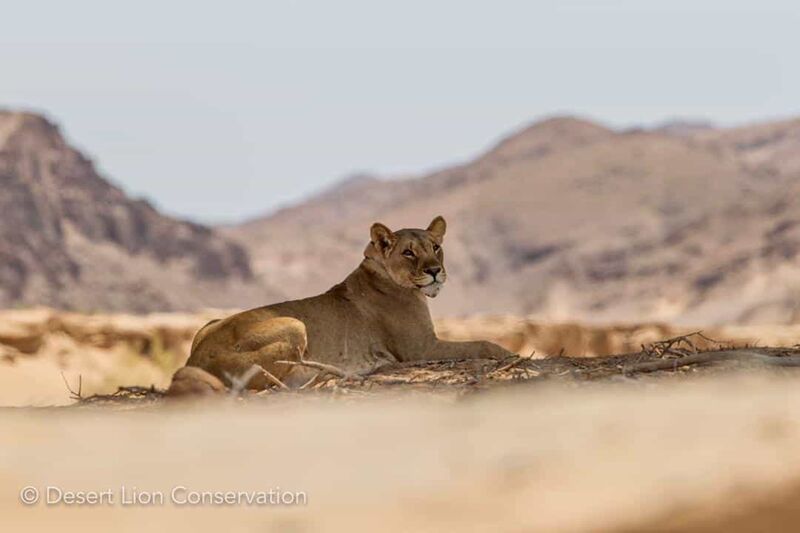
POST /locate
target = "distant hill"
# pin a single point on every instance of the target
(71, 239)
(567, 219)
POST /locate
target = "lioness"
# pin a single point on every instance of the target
(377, 314)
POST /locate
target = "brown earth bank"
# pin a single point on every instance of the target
(42, 348)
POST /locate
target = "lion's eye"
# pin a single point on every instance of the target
(436, 247)
(408, 253)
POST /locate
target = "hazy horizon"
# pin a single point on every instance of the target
(220, 114)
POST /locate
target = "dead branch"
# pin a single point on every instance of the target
(330, 369)
(391, 366)
(709, 339)
(712, 357)
(511, 365)
(239, 383)
(272, 379)
(311, 382)
(126, 394)
(671, 346)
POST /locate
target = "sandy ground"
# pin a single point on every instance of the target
(651, 454)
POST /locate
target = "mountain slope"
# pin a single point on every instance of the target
(71, 239)
(772, 148)
(567, 219)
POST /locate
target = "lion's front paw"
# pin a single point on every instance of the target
(491, 350)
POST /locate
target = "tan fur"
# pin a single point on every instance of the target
(377, 314)
(193, 381)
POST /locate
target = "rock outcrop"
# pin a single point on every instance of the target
(70, 238)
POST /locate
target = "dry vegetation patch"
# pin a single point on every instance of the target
(674, 357)
(107, 351)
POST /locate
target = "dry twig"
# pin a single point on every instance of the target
(272, 379)
(239, 383)
(330, 369)
(72, 394)
(671, 346)
(510, 365)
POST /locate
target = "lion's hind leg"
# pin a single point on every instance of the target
(202, 333)
(275, 339)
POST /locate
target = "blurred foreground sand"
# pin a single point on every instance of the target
(715, 450)
(641, 455)
(104, 351)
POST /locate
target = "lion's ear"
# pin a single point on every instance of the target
(437, 228)
(382, 237)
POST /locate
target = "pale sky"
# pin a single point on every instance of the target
(226, 112)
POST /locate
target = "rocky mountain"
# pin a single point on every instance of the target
(567, 219)
(69, 238)
(562, 220)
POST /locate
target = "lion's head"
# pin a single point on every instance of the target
(413, 258)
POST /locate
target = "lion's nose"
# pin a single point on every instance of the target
(432, 271)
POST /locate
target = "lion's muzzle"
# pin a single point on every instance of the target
(431, 283)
